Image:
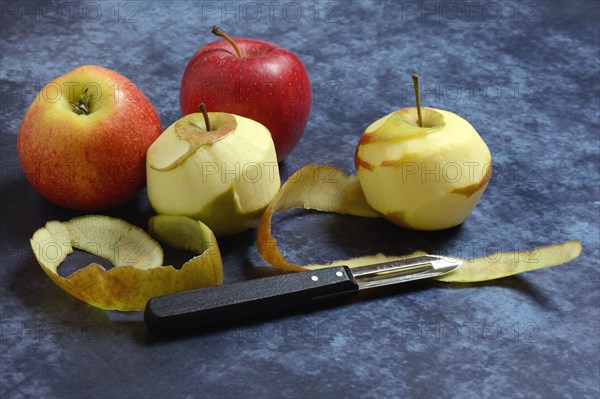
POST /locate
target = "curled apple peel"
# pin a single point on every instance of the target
(328, 189)
(138, 274)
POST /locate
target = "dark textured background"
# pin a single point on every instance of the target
(525, 74)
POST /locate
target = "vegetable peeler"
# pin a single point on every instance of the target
(231, 303)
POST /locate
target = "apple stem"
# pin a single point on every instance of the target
(205, 114)
(82, 106)
(217, 31)
(415, 79)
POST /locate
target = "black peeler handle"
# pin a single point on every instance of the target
(230, 303)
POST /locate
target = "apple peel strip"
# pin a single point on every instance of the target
(328, 189)
(138, 274)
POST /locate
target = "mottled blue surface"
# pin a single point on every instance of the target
(525, 74)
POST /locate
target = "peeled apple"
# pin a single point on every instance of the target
(224, 176)
(426, 177)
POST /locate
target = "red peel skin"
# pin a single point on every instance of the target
(89, 169)
(268, 84)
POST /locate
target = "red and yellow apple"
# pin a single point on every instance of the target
(251, 78)
(425, 176)
(82, 143)
(218, 168)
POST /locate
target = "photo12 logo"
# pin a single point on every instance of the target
(42, 332)
(54, 91)
(468, 11)
(470, 331)
(70, 11)
(269, 11)
(449, 92)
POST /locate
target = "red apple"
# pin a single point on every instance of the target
(252, 78)
(82, 143)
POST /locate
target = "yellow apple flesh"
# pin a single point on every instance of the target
(423, 178)
(224, 177)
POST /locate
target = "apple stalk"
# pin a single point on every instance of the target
(82, 106)
(205, 115)
(415, 79)
(218, 32)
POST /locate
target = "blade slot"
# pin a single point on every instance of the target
(398, 271)
(394, 266)
(407, 270)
